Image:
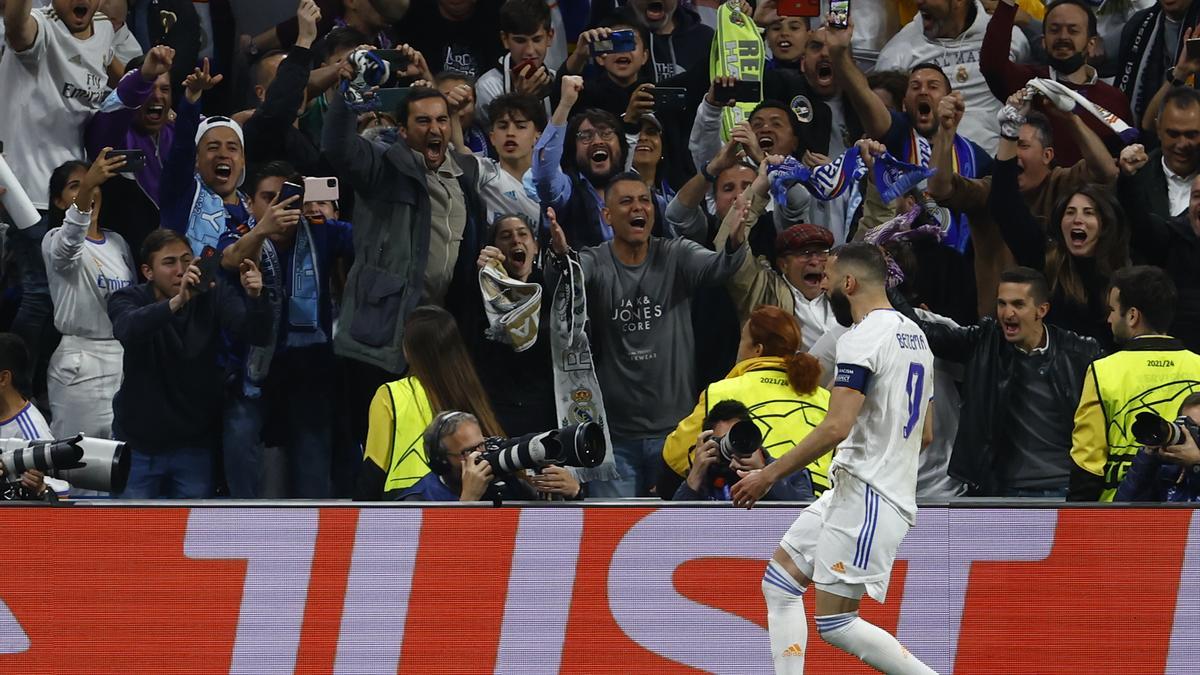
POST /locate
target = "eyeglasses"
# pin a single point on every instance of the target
(813, 253)
(589, 136)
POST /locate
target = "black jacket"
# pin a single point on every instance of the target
(988, 361)
(1144, 194)
(172, 393)
(1174, 246)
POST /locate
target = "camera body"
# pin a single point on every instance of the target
(742, 440)
(1153, 431)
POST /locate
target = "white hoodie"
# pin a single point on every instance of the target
(959, 59)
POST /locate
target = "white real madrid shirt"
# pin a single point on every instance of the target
(49, 92)
(887, 358)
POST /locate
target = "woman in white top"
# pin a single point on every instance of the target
(85, 265)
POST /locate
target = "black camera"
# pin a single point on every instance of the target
(742, 440)
(579, 445)
(1153, 431)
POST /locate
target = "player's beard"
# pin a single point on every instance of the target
(840, 304)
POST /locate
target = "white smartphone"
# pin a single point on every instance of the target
(321, 189)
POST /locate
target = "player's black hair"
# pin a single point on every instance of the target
(866, 259)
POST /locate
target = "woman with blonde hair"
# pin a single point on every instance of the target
(778, 385)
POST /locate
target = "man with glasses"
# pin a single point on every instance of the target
(454, 444)
(793, 285)
(574, 183)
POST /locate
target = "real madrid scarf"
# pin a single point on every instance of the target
(576, 389)
(514, 308)
(304, 326)
(737, 51)
(918, 150)
(893, 178)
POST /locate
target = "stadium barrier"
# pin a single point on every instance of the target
(308, 589)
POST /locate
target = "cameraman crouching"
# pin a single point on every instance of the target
(454, 444)
(710, 478)
(1170, 473)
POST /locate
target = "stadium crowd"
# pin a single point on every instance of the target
(330, 259)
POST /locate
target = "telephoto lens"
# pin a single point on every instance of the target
(740, 441)
(580, 445)
(1153, 431)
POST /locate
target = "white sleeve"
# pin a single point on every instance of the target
(857, 359)
(36, 51)
(1018, 51)
(705, 140)
(891, 57)
(63, 246)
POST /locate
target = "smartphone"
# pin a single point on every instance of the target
(390, 98)
(210, 268)
(524, 69)
(798, 8)
(290, 190)
(840, 9)
(135, 160)
(321, 189)
(620, 41)
(1193, 48)
(395, 58)
(741, 91)
(668, 99)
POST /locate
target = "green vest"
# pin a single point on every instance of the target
(411, 415)
(783, 416)
(1153, 374)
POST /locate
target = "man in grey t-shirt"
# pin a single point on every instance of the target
(639, 291)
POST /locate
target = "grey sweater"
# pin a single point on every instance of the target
(641, 326)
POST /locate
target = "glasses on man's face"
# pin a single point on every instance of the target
(814, 253)
(589, 135)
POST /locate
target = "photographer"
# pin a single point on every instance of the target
(19, 418)
(710, 477)
(455, 446)
(1170, 473)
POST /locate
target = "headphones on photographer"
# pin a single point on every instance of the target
(435, 451)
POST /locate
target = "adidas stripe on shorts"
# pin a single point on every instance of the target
(846, 541)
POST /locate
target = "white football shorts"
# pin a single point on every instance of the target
(846, 541)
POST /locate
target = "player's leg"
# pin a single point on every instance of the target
(787, 576)
(838, 624)
(783, 588)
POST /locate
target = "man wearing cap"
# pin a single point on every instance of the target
(794, 285)
(199, 195)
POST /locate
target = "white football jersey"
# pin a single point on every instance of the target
(887, 358)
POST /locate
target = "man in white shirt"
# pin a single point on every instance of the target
(950, 34)
(55, 76)
(1160, 183)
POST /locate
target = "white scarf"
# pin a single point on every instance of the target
(576, 389)
(514, 308)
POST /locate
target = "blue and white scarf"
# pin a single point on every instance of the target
(893, 177)
(304, 326)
